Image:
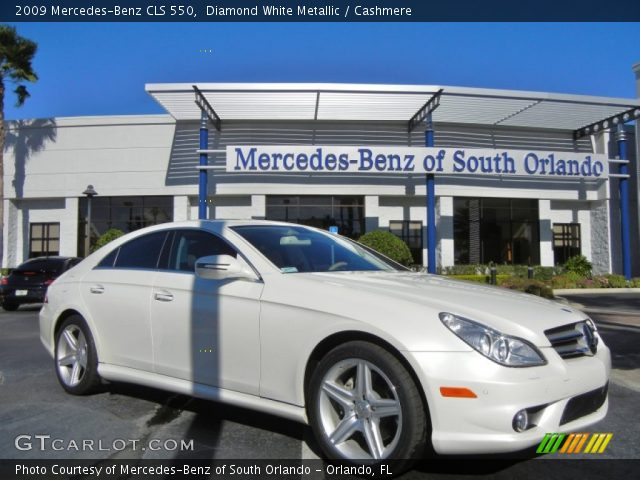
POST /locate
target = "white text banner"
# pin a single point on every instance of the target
(419, 160)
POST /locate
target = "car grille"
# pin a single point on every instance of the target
(584, 404)
(573, 340)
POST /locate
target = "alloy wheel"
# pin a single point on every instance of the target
(359, 410)
(72, 355)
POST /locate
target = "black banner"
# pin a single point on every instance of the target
(316, 11)
(440, 468)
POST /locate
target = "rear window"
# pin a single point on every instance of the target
(49, 265)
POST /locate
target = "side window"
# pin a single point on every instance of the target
(142, 252)
(189, 245)
(107, 262)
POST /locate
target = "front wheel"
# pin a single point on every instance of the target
(75, 357)
(365, 406)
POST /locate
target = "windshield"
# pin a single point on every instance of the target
(298, 249)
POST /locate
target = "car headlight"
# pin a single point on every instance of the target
(503, 349)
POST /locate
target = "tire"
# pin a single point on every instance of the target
(364, 407)
(10, 306)
(75, 357)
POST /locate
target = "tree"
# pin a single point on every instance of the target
(388, 245)
(108, 236)
(16, 55)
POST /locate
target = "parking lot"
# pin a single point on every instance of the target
(130, 422)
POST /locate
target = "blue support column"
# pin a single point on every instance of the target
(621, 137)
(431, 203)
(204, 160)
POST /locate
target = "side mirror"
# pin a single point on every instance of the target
(219, 267)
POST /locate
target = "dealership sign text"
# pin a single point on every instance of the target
(372, 159)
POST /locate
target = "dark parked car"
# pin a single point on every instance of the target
(28, 283)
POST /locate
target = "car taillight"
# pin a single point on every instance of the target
(4, 281)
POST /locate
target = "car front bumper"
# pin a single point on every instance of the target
(485, 424)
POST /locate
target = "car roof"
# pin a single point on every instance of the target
(236, 222)
(51, 257)
(218, 224)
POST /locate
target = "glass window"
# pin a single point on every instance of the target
(141, 252)
(44, 239)
(50, 265)
(411, 233)
(73, 262)
(189, 245)
(298, 249)
(566, 242)
(344, 212)
(108, 261)
(496, 230)
(124, 213)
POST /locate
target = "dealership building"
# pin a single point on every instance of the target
(463, 175)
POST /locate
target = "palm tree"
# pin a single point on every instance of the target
(16, 54)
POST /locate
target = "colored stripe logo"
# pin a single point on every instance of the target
(574, 443)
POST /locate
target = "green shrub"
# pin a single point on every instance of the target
(464, 270)
(617, 281)
(568, 280)
(578, 264)
(470, 278)
(635, 282)
(388, 244)
(533, 287)
(480, 278)
(539, 272)
(500, 279)
(601, 281)
(107, 237)
(545, 273)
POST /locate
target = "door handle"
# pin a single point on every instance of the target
(163, 296)
(96, 289)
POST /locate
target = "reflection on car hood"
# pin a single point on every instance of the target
(508, 311)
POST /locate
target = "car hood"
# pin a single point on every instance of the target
(510, 312)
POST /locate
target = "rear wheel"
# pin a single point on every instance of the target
(10, 306)
(365, 407)
(75, 357)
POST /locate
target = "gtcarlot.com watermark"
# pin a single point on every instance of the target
(44, 443)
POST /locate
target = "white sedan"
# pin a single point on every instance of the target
(297, 322)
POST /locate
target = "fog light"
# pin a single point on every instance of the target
(521, 421)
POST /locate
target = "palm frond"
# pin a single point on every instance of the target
(21, 95)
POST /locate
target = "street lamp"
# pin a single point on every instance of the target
(90, 192)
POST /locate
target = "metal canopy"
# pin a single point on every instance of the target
(363, 102)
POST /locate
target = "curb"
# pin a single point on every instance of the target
(591, 291)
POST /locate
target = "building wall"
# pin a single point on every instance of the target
(572, 212)
(58, 158)
(49, 162)
(24, 212)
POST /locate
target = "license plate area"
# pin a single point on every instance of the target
(22, 293)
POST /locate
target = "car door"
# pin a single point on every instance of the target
(205, 331)
(118, 292)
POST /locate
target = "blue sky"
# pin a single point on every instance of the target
(101, 68)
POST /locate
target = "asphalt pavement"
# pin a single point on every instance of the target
(32, 403)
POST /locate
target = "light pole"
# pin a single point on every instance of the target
(90, 192)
